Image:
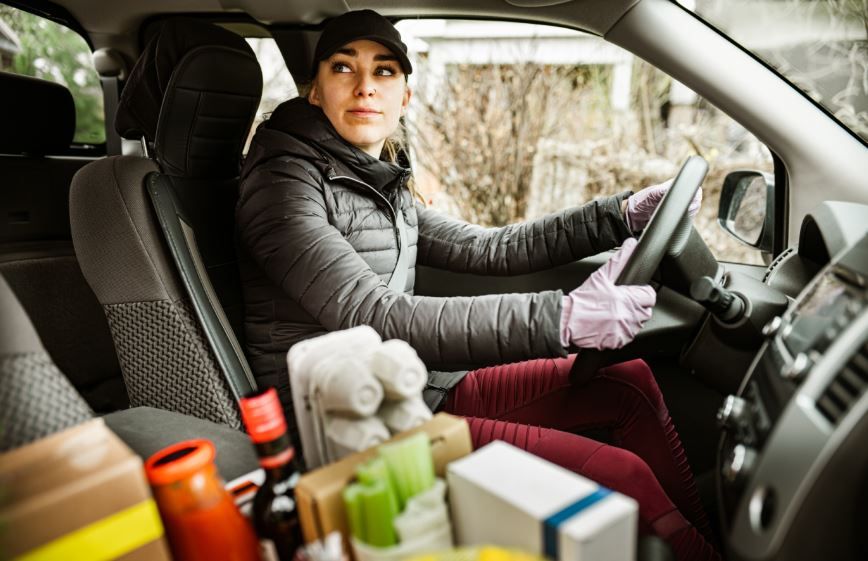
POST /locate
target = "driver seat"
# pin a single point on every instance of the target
(154, 235)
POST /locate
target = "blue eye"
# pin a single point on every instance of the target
(385, 71)
(340, 67)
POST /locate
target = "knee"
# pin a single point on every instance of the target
(629, 473)
(637, 375)
(626, 473)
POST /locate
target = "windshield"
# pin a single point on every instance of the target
(821, 46)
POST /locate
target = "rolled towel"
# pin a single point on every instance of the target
(405, 414)
(346, 436)
(347, 386)
(398, 367)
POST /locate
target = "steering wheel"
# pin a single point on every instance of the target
(667, 233)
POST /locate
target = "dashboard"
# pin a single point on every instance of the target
(793, 459)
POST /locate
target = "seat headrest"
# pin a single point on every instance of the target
(193, 93)
(38, 116)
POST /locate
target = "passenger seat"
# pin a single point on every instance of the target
(36, 253)
(155, 237)
(37, 400)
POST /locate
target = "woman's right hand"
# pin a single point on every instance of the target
(602, 315)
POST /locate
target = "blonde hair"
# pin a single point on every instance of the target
(393, 146)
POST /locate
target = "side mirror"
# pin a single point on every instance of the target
(747, 208)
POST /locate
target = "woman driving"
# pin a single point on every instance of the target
(330, 232)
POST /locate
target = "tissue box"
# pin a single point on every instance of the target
(318, 493)
(504, 496)
(78, 494)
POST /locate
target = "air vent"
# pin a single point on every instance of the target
(846, 389)
(777, 263)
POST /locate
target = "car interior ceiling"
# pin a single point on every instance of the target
(44, 272)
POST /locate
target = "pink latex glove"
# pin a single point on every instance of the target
(602, 315)
(641, 205)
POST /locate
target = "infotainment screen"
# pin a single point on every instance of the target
(818, 312)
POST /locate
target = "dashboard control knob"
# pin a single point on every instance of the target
(739, 465)
(772, 326)
(797, 368)
(734, 413)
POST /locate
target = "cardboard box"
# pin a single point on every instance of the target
(318, 493)
(502, 495)
(78, 494)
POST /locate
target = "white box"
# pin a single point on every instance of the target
(505, 496)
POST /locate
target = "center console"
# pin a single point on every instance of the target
(792, 460)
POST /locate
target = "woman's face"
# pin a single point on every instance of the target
(362, 90)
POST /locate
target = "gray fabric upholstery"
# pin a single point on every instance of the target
(19, 337)
(48, 282)
(193, 93)
(35, 398)
(147, 430)
(119, 245)
(166, 361)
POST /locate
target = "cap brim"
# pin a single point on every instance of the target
(396, 49)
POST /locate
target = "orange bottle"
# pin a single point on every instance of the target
(201, 519)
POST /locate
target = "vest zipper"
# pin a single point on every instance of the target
(385, 200)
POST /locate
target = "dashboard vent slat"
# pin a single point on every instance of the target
(846, 388)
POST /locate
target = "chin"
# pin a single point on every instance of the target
(363, 139)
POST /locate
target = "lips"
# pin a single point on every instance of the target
(364, 112)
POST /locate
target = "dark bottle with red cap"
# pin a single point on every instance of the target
(275, 515)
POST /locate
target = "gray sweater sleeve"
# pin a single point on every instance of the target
(555, 239)
(283, 225)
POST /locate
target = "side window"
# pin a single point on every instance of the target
(277, 82)
(34, 46)
(510, 121)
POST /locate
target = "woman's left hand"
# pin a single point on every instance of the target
(640, 206)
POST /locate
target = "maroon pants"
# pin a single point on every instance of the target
(533, 406)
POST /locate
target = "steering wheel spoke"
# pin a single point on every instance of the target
(668, 232)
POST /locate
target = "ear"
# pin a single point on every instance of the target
(313, 94)
(408, 93)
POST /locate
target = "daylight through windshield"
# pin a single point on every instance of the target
(821, 46)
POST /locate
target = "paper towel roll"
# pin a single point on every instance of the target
(405, 414)
(345, 436)
(399, 369)
(347, 386)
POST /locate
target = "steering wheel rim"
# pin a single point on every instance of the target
(667, 232)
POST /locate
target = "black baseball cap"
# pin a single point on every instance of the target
(356, 25)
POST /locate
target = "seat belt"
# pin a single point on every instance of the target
(399, 276)
(111, 96)
(111, 67)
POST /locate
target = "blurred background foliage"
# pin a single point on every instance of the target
(53, 52)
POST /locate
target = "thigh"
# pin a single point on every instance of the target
(495, 391)
(538, 392)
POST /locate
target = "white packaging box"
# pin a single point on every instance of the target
(505, 496)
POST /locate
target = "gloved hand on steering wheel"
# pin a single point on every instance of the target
(640, 206)
(602, 315)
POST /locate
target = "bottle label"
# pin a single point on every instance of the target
(268, 551)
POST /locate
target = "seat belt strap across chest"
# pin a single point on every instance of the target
(399, 276)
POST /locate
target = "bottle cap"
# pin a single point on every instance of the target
(179, 461)
(263, 416)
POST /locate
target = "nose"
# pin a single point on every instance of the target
(364, 86)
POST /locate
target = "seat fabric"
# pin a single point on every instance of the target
(192, 97)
